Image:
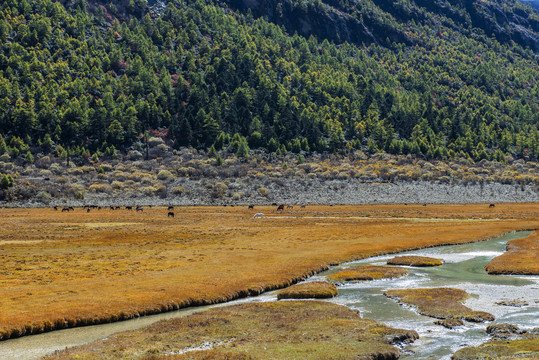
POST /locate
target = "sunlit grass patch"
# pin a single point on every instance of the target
(368, 272)
(524, 349)
(440, 303)
(309, 290)
(414, 261)
(521, 257)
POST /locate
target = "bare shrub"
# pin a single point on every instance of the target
(178, 190)
(100, 188)
(77, 191)
(117, 185)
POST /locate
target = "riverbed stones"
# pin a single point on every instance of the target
(419, 261)
(309, 290)
(365, 273)
(440, 303)
(513, 303)
(503, 331)
(449, 323)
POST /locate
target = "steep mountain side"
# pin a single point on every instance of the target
(533, 3)
(386, 21)
(79, 81)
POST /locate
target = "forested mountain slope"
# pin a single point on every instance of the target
(420, 77)
(533, 3)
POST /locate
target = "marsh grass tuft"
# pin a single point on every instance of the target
(440, 303)
(411, 260)
(309, 290)
(368, 272)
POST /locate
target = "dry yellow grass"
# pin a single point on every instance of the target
(66, 269)
(414, 261)
(440, 303)
(365, 273)
(309, 290)
(521, 257)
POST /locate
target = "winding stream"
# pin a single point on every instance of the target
(463, 269)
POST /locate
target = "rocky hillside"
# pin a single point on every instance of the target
(386, 22)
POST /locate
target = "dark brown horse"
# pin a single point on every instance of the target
(170, 214)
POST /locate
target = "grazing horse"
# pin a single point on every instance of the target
(491, 205)
(302, 206)
(170, 208)
(66, 209)
(251, 207)
(289, 206)
(170, 214)
(139, 208)
(258, 215)
(88, 209)
(56, 208)
(128, 208)
(281, 207)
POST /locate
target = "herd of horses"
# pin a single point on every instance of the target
(138, 208)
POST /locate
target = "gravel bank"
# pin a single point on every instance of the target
(318, 192)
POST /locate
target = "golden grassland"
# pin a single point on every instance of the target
(367, 272)
(523, 349)
(521, 257)
(271, 330)
(440, 303)
(63, 269)
(414, 261)
(309, 290)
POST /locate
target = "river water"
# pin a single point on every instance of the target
(463, 268)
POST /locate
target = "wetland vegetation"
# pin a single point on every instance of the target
(414, 261)
(91, 238)
(76, 268)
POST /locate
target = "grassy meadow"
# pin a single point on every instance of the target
(62, 269)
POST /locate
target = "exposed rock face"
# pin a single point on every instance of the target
(338, 21)
(323, 20)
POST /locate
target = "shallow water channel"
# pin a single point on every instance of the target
(462, 268)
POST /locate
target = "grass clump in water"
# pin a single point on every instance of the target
(524, 349)
(368, 272)
(310, 290)
(414, 261)
(440, 303)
